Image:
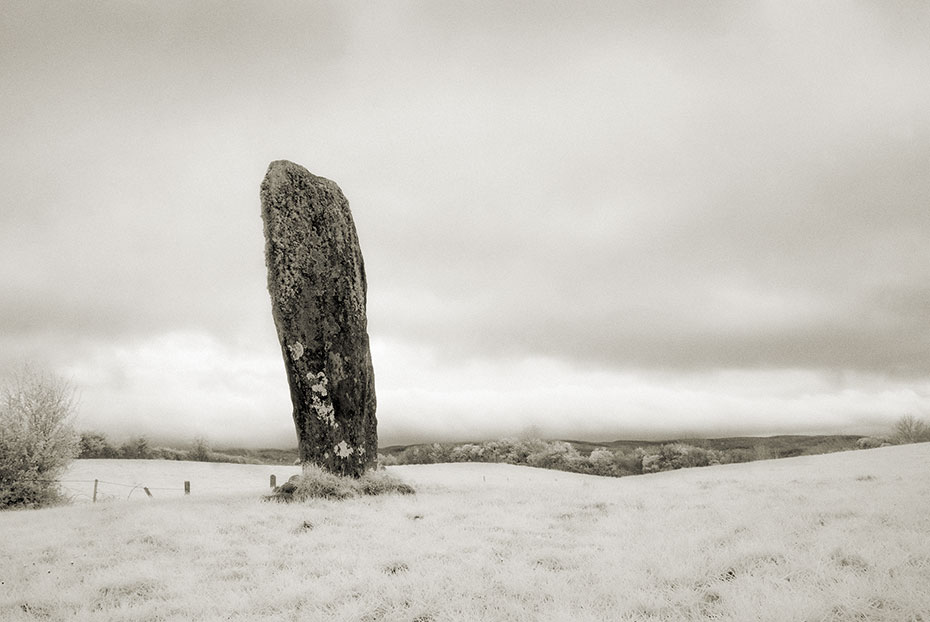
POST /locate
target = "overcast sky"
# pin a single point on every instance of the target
(579, 219)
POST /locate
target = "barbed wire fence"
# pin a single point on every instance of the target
(97, 493)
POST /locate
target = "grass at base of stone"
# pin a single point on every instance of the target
(317, 483)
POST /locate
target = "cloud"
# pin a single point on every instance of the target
(827, 270)
(629, 189)
(428, 398)
(178, 386)
(181, 385)
(749, 200)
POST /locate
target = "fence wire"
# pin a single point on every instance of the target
(132, 486)
(92, 481)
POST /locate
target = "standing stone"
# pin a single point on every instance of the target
(316, 278)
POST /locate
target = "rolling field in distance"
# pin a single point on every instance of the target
(835, 537)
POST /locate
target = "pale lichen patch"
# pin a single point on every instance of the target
(321, 382)
(324, 410)
(343, 450)
(319, 399)
(297, 350)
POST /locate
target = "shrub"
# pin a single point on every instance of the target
(603, 461)
(37, 440)
(698, 456)
(634, 461)
(521, 450)
(761, 451)
(679, 456)
(652, 463)
(415, 454)
(96, 445)
(136, 448)
(437, 453)
(200, 451)
(870, 442)
(733, 456)
(910, 429)
(469, 452)
(555, 455)
(168, 453)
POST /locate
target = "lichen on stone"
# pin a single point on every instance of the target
(297, 350)
(320, 385)
(324, 410)
(343, 450)
(319, 398)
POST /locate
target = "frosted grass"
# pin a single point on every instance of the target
(834, 537)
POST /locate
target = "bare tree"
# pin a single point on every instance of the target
(910, 429)
(200, 450)
(37, 438)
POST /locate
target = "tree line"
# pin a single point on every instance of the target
(563, 456)
(97, 445)
(651, 458)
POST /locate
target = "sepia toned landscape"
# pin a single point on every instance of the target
(486, 311)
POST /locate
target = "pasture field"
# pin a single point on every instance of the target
(817, 538)
(123, 479)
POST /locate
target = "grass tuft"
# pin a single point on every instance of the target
(317, 483)
(395, 568)
(849, 561)
(121, 594)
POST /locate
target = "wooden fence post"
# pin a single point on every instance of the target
(187, 487)
(274, 481)
(95, 491)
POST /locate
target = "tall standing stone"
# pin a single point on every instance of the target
(316, 278)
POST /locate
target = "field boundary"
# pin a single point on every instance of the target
(133, 487)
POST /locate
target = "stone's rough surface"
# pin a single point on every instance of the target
(316, 278)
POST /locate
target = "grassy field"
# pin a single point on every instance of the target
(835, 537)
